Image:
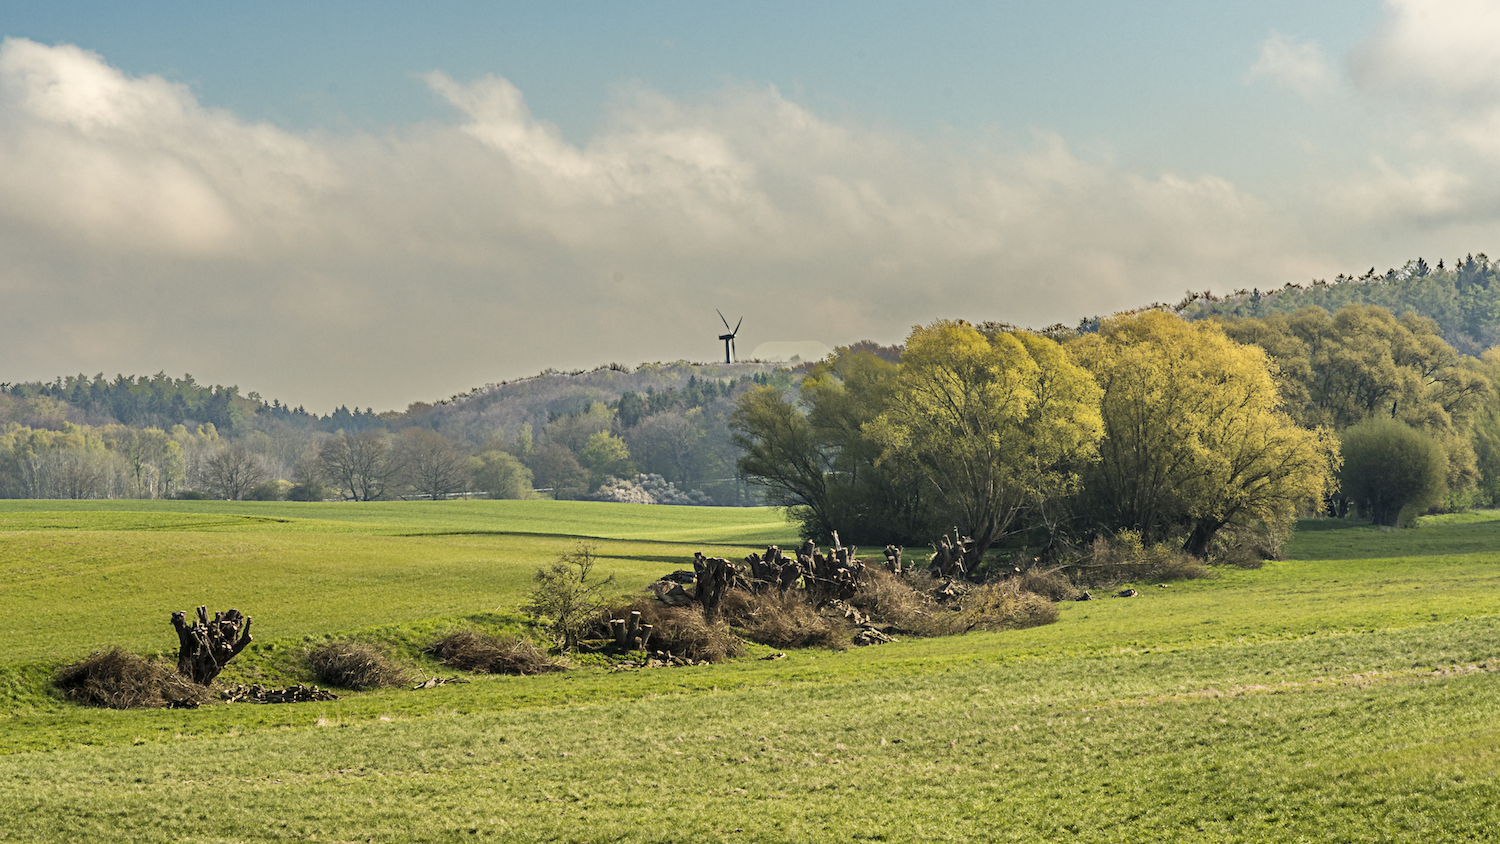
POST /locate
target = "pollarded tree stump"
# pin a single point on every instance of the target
(205, 647)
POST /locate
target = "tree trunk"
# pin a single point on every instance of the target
(205, 647)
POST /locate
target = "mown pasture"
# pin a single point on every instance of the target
(1348, 694)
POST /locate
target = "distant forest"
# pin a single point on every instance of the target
(658, 431)
(1464, 299)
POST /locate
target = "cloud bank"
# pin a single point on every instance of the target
(142, 230)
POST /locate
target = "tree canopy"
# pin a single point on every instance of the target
(1194, 438)
(993, 424)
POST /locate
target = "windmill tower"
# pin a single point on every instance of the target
(729, 338)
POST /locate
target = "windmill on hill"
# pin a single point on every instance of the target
(729, 338)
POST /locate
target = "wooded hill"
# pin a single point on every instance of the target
(1463, 299)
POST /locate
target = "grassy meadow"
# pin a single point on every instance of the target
(1351, 693)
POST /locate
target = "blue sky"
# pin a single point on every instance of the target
(376, 203)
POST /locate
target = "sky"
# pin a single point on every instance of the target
(371, 204)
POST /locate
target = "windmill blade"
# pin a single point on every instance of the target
(736, 325)
(721, 317)
(734, 354)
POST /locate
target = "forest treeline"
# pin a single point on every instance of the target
(1463, 299)
(656, 433)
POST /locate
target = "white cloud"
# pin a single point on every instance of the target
(1436, 53)
(379, 269)
(1299, 66)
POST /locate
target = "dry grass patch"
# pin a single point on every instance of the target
(906, 603)
(357, 666)
(470, 650)
(1004, 605)
(783, 620)
(118, 679)
(1049, 583)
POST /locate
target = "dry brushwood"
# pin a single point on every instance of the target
(470, 650)
(118, 679)
(256, 693)
(355, 665)
(205, 647)
(783, 620)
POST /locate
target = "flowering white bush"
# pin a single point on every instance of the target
(648, 489)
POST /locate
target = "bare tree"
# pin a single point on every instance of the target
(431, 463)
(357, 465)
(232, 471)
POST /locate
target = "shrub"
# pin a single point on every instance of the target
(192, 495)
(782, 620)
(470, 650)
(564, 600)
(308, 491)
(682, 631)
(1004, 605)
(118, 679)
(355, 665)
(268, 491)
(1392, 471)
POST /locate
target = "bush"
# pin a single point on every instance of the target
(118, 679)
(682, 631)
(648, 489)
(308, 491)
(564, 600)
(782, 620)
(355, 665)
(470, 650)
(1392, 471)
(268, 491)
(192, 495)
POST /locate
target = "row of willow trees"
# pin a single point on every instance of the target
(1202, 434)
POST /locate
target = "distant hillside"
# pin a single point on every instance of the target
(502, 410)
(1464, 299)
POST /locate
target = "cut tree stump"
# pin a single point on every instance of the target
(205, 647)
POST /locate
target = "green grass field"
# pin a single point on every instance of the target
(1348, 694)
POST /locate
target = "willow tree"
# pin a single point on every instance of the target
(993, 423)
(1194, 436)
(815, 457)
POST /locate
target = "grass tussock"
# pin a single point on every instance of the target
(1005, 605)
(682, 631)
(483, 653)
(356, 666)
(783, 620)
(118, 679)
